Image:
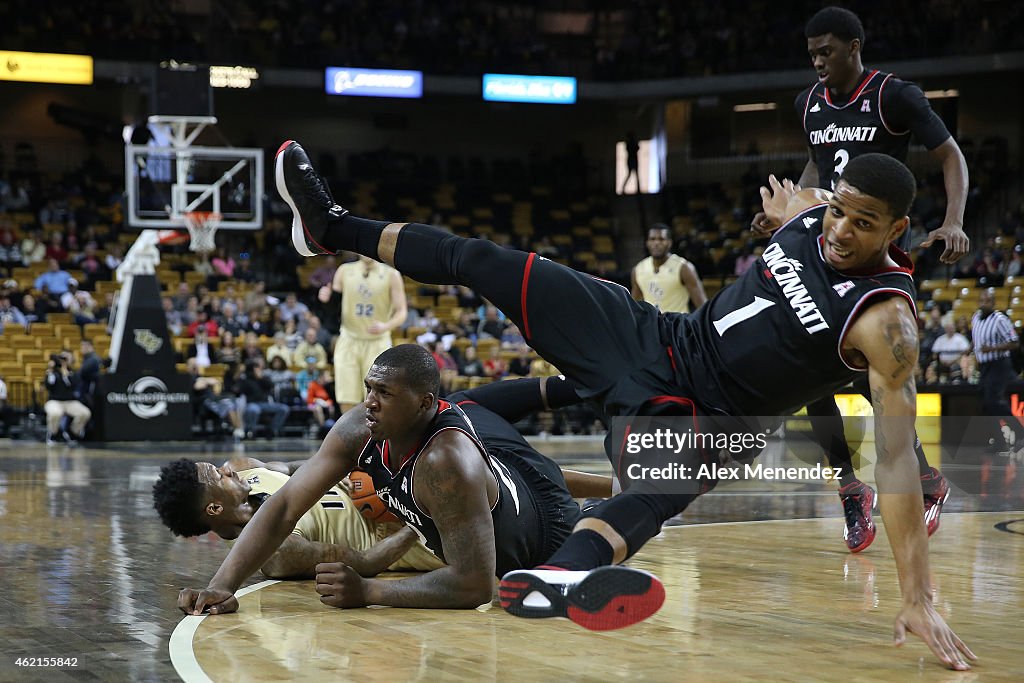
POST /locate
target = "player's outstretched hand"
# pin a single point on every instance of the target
(761, 226)
(928, 625)
(339, 585)
(324, 294)
(212, 600)
(956, 240)
(774, 200)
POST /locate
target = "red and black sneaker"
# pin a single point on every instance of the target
(601, 599)
(936, 492)
(306, 192)
(858, 500)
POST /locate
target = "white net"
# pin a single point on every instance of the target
(202, 227)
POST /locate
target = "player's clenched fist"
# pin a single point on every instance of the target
(194, 602)
(340, 585)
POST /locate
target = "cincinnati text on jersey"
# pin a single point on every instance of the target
(833, 133)
(786, 273)
(396, 505)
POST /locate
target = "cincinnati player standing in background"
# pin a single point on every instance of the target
(852, 111)
(664, 279)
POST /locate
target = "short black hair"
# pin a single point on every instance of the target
(885, 178)
(178, 498)
(417, 364)
(840, 22)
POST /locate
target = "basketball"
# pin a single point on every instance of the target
(365, 497)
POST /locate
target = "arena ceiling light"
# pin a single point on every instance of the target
(755, 106)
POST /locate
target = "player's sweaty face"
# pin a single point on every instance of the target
(390, 405)
(857, 229)
(832, 59)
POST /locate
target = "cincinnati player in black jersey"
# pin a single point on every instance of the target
(460, 476)
(851, 111)
(635, 361)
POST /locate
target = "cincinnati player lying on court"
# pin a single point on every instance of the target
(455, 471)
(834, 302)
(194, 498)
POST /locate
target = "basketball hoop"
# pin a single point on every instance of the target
(202, 227)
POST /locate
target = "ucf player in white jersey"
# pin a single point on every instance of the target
(664, 279)
(372, 304)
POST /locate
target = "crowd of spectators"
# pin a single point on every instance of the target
(612, 39)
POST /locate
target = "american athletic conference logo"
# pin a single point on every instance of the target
(147, 397)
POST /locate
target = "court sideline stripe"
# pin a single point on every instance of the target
(818, 519)
(183, 657)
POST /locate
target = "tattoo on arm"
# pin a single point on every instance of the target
(897, 333)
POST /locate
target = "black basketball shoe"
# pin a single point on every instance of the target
(308, 196)
(601, 599)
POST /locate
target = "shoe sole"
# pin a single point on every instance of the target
(298, 227)
(607, 598)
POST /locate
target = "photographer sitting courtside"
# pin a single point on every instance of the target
(61, 385)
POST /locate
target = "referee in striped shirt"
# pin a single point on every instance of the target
(994, 339)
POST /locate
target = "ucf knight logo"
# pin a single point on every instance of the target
(149, 342)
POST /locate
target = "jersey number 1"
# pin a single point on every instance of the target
(741, 314)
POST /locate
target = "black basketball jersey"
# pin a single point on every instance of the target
(838, 132)
(770, 343)
(518, 529)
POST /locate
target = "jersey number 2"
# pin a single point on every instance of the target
(741, 314)
(841, 158)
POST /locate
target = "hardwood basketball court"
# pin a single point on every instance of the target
(760, 587)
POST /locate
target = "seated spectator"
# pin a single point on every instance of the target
(208, 396)
(511, 337)
(228, 352)
(55, 249)
(202, 265)
(251, 348)
(10, 315)
(950, 352)
(223, 264)
(446, 364)
(113, 258)
(32, 248)
(230, 319)
(106, 308)
(495, 366)
(244, 271)
(30, 311)
(90, 264)
(291, 333)
(293, 309)
(181, 297)
(320, 402)
(54, 280)
(309, 347)
(520, 365)
(258, 391)
(492, 324)
(471, 365)
(279, 348)
(201, 349)
(285, 389)
(323, 335)
(173, 317)
(468, 298)
(78, 303)
(203, 320)
(305, 376)
(324, 275)
(62, 385)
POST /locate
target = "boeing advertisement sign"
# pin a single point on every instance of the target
(343, 80)
(538, 89)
